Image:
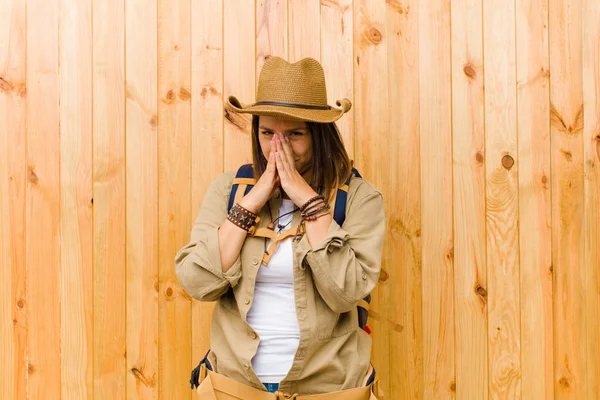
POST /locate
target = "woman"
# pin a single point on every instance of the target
(286, 276)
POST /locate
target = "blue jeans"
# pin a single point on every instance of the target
(271, 387)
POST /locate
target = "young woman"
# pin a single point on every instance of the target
(286, 276)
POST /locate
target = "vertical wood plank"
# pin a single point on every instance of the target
(141, 147)
(304, 22)
(372, 131)
(207, 132)
(401, 357)
(239, 79)
(271, 31)
(535, 207)
(13, 164)
(468, 133)
(436, 192)
(502, 199)
(590, 244)
(336, 58)
(76, 230)
(109, 201)
(43, 241)
(174, 209)
(566, 127)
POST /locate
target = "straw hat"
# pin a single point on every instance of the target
(292, 91)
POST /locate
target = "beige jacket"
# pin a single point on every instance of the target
(329, 280)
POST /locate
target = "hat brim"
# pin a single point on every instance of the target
(292, 113)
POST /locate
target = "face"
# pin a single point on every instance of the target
(298, 134)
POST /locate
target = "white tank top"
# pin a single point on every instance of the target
(273, 311)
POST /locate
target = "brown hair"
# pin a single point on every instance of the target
(331, 165)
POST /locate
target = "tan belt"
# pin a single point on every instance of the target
(215, 386)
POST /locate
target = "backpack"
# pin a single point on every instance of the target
(244, 181)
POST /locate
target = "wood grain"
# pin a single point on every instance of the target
(590, 244)
(371, 120)
(142, 237)
(566, 118)
(304, 28)
(207, 133)
(468, 145)
(174, 208)
(535, 208)
(239, 65)
(337, 59)
(271, 31)
(110, 341)
(436, 191)
(43, 242)
(13, 170)
(502, 199)
(76, 199)
(400, 354)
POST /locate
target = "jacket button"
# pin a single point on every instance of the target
(254, 335)
(364, 276)
(247, 301)
(247, 366)
(254, 262)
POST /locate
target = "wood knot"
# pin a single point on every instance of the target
(481, 291)
(374, 36)
(453, 386)
(479, 157)
(544, 179)
(383, 275)
(169, 97)
(92, 201)
(450, 254)
(508, 162)
(169, 292)
(5, 85)
(20, 304)
(23, 92)
(32, 177)
(564, 382)
(469, 71)
(153, 122)
(598, 146)
(30, 369)
(139, 375)
(184, 94)
(176, 47)
(567, 154)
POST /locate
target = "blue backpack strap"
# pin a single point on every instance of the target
(339, 210)
(244, 181)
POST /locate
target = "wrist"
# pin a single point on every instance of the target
(249, 204)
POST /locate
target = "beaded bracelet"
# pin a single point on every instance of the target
(317, 197)
(242, 217)
(313, 217)
(317, 205)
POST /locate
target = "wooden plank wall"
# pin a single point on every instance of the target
(479, 120)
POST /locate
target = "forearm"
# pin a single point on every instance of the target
(317, 230)
(231, 240)
(231, 236)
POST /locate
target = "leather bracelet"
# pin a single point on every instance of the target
(242, 217)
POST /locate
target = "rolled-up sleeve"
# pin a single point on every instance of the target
(347, 262)
(198, 264)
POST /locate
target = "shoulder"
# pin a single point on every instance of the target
(360, 188)
(222, 183)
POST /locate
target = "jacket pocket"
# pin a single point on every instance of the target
(330, 323)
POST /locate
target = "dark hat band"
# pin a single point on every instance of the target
(294, 105)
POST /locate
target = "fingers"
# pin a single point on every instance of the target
(287, 150)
